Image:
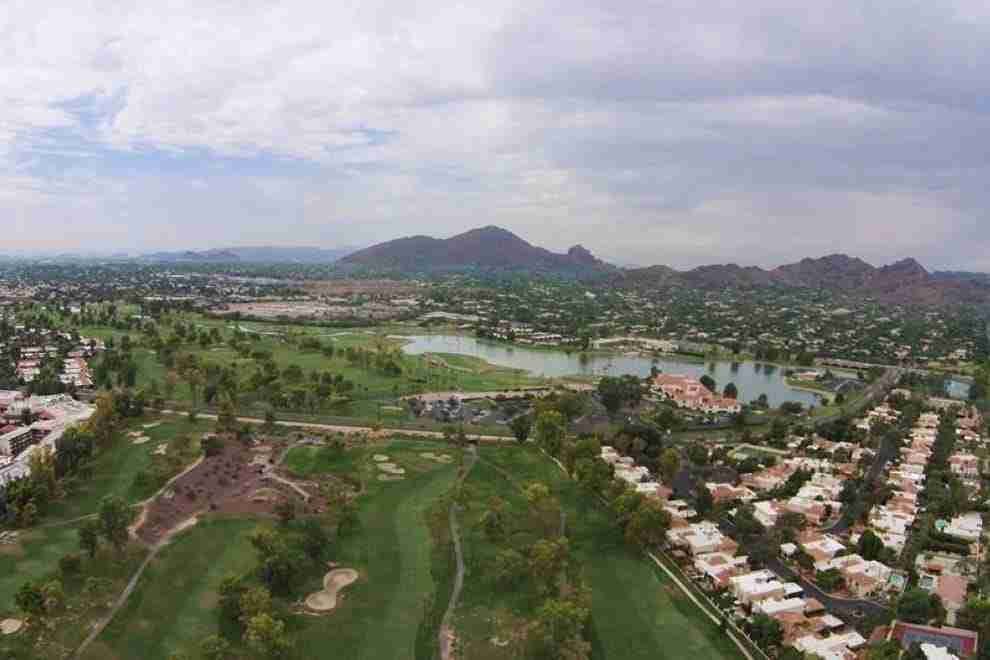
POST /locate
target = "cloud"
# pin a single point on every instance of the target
(674, 132)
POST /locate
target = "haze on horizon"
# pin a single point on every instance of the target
(682, 134)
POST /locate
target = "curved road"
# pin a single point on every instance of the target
(446, 634)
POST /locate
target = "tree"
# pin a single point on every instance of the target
(226, 417)
(709, 383)
(730, 391)
(547, 560)
(266, 636)
(697, 453)
(254, 601)
(670, 464)
(918, 606)
(114, 517)
(315, 539)
(520, 427)
(493, 521)
(214, 647)
(703, 500)
(615, 392)
(887, 650)
(54, 596)
(510, 567)
(765, 631)
(30, 600)
(103, 422)
(230, 590)
(560, 620)
(870, 545)
(648, 525)
(550, 431)
(269, 425)
(89, 537)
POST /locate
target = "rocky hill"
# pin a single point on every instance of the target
(488, 248)
(905, 281)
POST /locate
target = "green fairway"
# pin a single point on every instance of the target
(34, 556)
(308, 461)
(381, 616)
(174, 606)
(636, 612)
(113, 469)
(392, 549)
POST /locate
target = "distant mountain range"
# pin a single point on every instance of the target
(488, 248)
(262, 254)
(905, 281)
(493, 248)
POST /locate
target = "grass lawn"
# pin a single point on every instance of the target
(39, 548)
(309, 461)
(85, 600)
(636, 612)
(114, 469)
(384, 613)
(174, 606)
(34, 556)
(370, 384)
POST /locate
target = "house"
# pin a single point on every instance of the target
(718, 567)
(756, 586)
(833, 647)
(728, 492)
(702, 538)
(967, 526)
(688, 392)
(965, 465)
(962, 643)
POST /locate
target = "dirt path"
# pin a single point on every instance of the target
(102, 623)
(446, 635)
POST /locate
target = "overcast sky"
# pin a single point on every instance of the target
(676, 132)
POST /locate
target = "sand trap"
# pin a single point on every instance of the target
(153, 425)
(10, 626)
(391, 468)
(134, 434)
(160, 450)
(378, 458)
(333, 582)
(439, 458)
(140, 440)
(390, 477)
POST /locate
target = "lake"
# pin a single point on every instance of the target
(751, 378)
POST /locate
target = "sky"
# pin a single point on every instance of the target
(665, 132)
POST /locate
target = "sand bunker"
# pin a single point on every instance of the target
(391, 468)
(439, 458)
(10, 626)
(160, 450)
(378, 458)
(153, 425)
(141, 439)
(390, 477)
(333, 582)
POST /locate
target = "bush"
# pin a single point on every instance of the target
(70, 564)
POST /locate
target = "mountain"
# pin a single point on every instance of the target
(838, 271)
(259, 254)
(488, 248)
(904, 282)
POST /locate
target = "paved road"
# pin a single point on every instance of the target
(338, 428)
(849, 610)
(885, 454)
